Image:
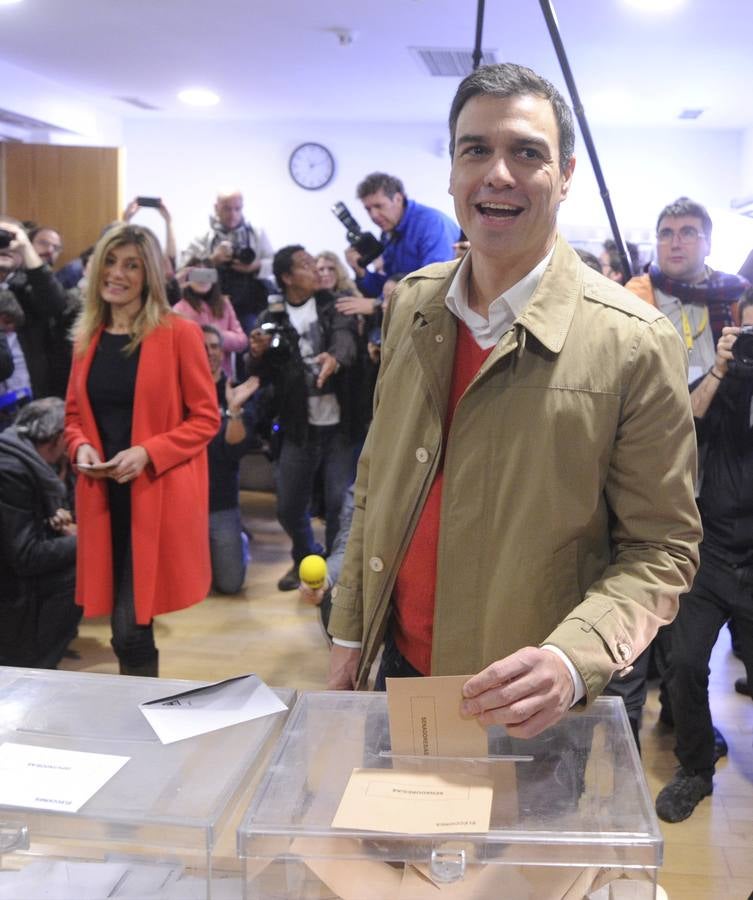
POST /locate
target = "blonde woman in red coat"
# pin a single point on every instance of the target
(141, 408)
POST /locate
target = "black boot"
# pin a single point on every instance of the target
(148, 669)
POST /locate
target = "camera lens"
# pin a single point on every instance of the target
(5, 238)
(245, 255)
(742, 349)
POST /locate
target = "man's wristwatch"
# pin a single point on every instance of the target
(234, 415)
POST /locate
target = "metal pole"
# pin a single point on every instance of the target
(559, 49)
(479, 33)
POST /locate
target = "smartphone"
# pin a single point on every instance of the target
(198, 275)
(149, 201)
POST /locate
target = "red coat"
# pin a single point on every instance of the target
(175, 416)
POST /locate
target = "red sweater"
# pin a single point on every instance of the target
(413, 597)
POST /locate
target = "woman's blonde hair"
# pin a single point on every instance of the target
(95, 313)
(344, 283)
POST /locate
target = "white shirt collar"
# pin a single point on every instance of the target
(503, 310)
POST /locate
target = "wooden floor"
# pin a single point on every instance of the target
(708, 857)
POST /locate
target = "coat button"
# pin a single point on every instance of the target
(625, 651)
(376, 564)
(439, 338)
(422, 455)
(334, 592)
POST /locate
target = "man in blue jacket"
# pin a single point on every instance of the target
(413, 235)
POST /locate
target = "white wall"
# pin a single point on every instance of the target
(185, 162)
(28, 94)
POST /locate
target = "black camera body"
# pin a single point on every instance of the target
(6, 237)
(244, 255)
(368, 247)
(280, 347)
(742, 349)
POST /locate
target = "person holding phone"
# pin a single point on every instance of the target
(203, 303)
(140, 411)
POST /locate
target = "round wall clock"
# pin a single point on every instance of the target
(311, 166)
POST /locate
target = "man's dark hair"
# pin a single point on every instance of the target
(744, 302)
(283, 262)
(34, 231)
(10, 307)
(210, 329)
(589, 259)
(41, 420)
(510, 80)
(684, 206)
(380, 181)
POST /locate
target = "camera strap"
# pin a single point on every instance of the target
(687, 331)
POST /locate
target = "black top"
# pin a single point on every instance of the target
(725, 438)
(111, 386)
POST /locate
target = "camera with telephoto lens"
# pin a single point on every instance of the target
(368, 247)
(280, 348)
(742, 349)
(244, 255)
(5, 238)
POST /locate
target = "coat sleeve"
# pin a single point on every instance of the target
(6, 358)
(199, 399)
(27, 548)
(346, 620)
(342, 339)
(654, 522)
(234, 339)
(265, 253)
(46, 297)
(75, 435)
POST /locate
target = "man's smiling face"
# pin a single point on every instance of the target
(506, 179)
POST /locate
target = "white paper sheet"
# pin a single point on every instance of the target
(48, 778)
(210, 708)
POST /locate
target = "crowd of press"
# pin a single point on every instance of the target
(103, 417)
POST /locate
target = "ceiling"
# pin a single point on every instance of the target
(281, 59)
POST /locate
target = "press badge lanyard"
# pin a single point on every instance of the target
(687, 331)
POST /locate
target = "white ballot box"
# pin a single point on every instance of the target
(94, 805)
(569, 813)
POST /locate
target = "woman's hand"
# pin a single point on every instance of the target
(128, 464)
(87, 456)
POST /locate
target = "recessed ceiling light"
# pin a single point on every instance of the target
(657, 6)
(198, 97)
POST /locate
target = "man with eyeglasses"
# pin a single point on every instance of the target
(696, 299)
(701, 304)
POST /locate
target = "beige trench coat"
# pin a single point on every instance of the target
(568, 514)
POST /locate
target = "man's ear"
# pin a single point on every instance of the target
(567, 178)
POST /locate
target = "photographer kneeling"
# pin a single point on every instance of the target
(303, 348)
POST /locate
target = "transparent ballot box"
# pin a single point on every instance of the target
(164, 825)
(571, 815)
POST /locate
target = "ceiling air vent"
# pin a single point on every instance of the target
(138, 103)
(18, 121)
(691, 114)
(448, 62)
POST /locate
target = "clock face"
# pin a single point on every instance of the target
(311, 166)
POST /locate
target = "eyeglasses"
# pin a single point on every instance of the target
(686, 235)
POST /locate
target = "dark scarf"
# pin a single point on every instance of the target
(718, 292)
(51, 488)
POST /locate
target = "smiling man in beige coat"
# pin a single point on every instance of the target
(524, 503)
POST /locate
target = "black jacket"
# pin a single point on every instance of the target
(285, 371)
(37, 566)
(44, 302)
(6, 358)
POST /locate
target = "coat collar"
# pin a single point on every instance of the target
(549, 314)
